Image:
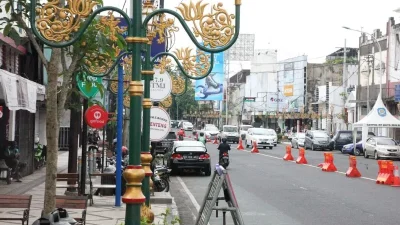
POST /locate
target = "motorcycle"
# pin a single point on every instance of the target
(39, 159)
(181, 137)
(224, 160)
(161, 179)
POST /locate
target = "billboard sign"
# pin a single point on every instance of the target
(288, 90)
(211, 88)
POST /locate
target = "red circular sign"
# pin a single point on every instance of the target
(96, 117)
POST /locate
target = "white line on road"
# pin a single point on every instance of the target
(309, 165)
(191, 197)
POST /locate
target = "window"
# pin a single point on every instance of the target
(345, 136)
(190, 149)
(230, 129)
(320, 134)
(210, 128)
(386, 141)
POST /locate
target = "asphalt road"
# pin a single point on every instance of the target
(272, 191)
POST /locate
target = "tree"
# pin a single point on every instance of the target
(58, 65)
(185, 102)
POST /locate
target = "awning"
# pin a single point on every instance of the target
(317, 103)
(20, 93)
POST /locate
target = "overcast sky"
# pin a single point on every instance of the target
(293, 27)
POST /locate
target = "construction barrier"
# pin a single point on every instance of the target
(240, 146)
(302, 158)
(255, 149)
(385, 174)
(328, 165)
(353, 171)
(216, 141)
(288, 156)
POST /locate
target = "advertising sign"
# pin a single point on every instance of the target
(160, 124)
(160, 86)
(211, 88)
(288, 90)
(96, 117)
(88, 88)
(397, 93)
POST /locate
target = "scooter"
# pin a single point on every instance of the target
(224, 160)
(39, 159)
(161, 179)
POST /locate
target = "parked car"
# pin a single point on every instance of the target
(298, 140)
(316, 139)
(161, 147)
(174, 123)
(263, 137)
(243, 130)
(381, 147)
(210, 132)
(229, 132)
(187, 126)
(349, 149)
(345, 137)
(189, 155)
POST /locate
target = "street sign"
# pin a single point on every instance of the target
(96, 117)
(249, 99)
(397, 93)
(160, 86)
(1, 111)
(220, 181)
(160, 123)
(88, 88)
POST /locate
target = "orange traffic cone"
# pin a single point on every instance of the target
(328, 165)
(302, 158)
(240, 146)
(396, 178)
(288, 156)
(353, 171)
(215, 141)
(255, 149)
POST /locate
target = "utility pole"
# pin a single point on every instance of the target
(344, 81)
(277, 99)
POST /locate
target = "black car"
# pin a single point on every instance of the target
(189, 155)
(344, 137)
(161, 147)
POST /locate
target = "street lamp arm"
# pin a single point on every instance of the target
(191, 35)
(116, 62)
(181, 67)
(65, 41)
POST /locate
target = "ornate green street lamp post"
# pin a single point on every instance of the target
(60, 26)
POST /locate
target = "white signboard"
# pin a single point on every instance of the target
(160, 124)
(160, 86)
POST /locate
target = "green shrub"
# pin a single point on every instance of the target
(165, 215)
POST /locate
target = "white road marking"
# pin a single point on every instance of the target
(309, 165)
(191, 197)
(303, 188)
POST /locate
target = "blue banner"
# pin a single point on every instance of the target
(155, 46)
(397, 93)
(211, 88)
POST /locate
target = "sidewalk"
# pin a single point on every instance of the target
(102, 212)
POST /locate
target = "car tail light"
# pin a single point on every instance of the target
(225, 154)
(204, 156)
(176, 156)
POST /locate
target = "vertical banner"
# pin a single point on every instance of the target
(211, 88)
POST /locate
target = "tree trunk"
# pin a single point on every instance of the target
(52, 131)
(75, 128)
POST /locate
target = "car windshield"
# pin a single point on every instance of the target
(190, 149)
(386, 141)
(263, 132)
(187, 124)
(230, 129)
(320, 134)
(210, 128)
(245, 128)
(171, 135)
(301, 135)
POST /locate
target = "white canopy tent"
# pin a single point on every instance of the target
(379, 116)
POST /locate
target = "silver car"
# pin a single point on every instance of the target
(298, 140)
(381, 147)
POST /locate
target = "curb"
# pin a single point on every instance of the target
(162, 198)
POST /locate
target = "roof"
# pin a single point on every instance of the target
(188, 144)
(240, 77)
(379, 116)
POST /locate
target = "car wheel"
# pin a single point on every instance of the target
(365, 154)
(246, 144)
(207, 171)
(357, 152)
(376, 156)
(270, 147)
(274, 145)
